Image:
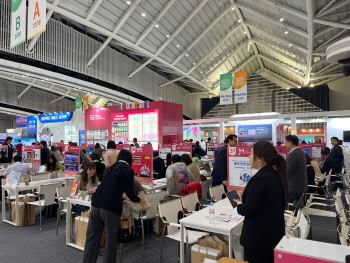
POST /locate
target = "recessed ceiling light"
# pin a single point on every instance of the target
(194, 63)
(281, 19)
(167, 36)
(157, 26)
(177, 45)
(285, 32)
(233, 8)
(293, 56)
(288, 88)
(207, 79)
(299, 87)
(128, 2)
(250, 43)
(210, 97)
(143, 14)
(186, 55)
(201, 72)
(312, 85)
(290, 45)
(239, 20)
(245, 32)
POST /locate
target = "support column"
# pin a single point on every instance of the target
(293, 123)
(221, 132)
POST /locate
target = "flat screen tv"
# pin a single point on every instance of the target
(346, 136)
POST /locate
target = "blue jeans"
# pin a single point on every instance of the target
(79, 208)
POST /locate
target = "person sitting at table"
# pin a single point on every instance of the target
(52, 165)
(100, 167)
(56, 153)
(158, 165)
(198, 151)
(3, 158)
(88, 181)
(192, 166)
(111, 155)
(168, 160)
(177, 176)
(18, 166)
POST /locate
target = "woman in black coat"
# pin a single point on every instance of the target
(263, 203)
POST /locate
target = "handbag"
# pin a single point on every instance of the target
(137, 207)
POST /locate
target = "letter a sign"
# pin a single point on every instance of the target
(18, 22)
(36, 17)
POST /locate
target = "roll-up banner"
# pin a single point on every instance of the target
(36, 18)
(241, 94)
(18, 22)
(226, 88)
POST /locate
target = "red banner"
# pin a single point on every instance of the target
(27, 156)
(142, 164)
(72, 161)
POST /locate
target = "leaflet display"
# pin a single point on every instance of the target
(72, 161)
(27, 156)
(255, 133)
(120, 127)
(142, 164)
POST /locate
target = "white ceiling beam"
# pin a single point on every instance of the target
(329, 41)
(333, 8)
(310, 40)
(273, 20)
(249, 34)
(319, 53)
(155, 21)
(128, 43)
(206, 31)
(281, 78)
(171, 38)
(286, 8)
(259, 42)
(63, 96)
(93, 9)
(328, 68)
(330, 28)
(171, 81)
(24, 91)
(327, 76)
(277, 38)
(320, 62)
(195, 93)
(325, 81)
(336, 15)
(119, 25)
(282, 66)
(36, 38)
(222, 63)
(325, 7)
(331, 23)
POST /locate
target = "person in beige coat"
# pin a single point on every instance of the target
(191, 166)
(112, 154)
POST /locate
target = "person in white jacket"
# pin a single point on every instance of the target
(177, 175)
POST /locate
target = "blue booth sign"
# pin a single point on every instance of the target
(56, 117)
(81, 137)
(32, 124)
(21, 122)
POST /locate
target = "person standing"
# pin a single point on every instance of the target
(134, 141)
(263, 202)
(10, 148)
(220, 166)
(19, 148)
(158, 165)
(336, 156)
(107, 208)
(203, 145)
(297, 177)
(99, 150)
(45, 152)
(111, 155)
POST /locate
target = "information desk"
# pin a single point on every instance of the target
(22, 187)
(199, 221)
(291, 249)
(71, 201)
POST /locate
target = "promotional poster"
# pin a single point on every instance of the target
(59, 146)
(142, 164)
(282, 150)
(72, 161)
(181, 149)
(164, 149)
(255, 133)
(27, 156)
(36, 160)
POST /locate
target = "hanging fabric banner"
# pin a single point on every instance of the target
(226, 88)
(78, 103)
(241, 94)
(85, 102)
(36, 17)
(18, 22)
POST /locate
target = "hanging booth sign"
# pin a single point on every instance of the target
(241, 94)
(181, 149)
(72, 161)
(85, 102)
(164, 149)
(18, 23)
(32, 125)
(21, 122)
(79, 103)
(142, 164)
(27, 156)
(239, 171)
(56, 117)
(36, 17)
(225, 88)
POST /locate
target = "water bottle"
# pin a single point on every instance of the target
(211, 213)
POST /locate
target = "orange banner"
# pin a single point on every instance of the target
(310, 131)
(85, 102)
(240, 79)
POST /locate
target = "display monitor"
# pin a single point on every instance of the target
(254, 133)
(346, 136)
(24, 141)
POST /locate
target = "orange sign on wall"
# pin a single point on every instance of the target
(310, 131)
(85, 102)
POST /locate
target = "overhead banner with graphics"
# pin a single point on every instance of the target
(78, 103)
(241, 94)
(85, 102)
(226, 88)
(18, 23)
(36, 17)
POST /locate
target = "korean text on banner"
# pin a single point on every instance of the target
(78, 103)
(241, 94)
(36, 17)
(85, 102)
(226, 89)
(18, 22)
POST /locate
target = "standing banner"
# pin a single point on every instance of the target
(226, 88)
(36, 158)
(72, 161)
(85, 102)
(18, 22)
(282, 150)
(164, 149)
(181, 149)
(316, 149)
(239, 171)
(36, 17)
(27, 156)
(142, 164)
(79, 103)
(241, 94)
(306, 148)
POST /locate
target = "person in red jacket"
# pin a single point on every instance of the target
(19, 147)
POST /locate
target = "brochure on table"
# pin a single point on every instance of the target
(27, 156)
(181, 149)
(59, 146)
(164, 149)
(72, 161)
(12, 179)
(239, 171)
(5, 148)
(36, 157)
(212, 149)
(142, 164)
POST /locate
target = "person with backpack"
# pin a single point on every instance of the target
(107, 208)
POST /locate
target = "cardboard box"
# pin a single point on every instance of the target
(200, 253)
(230, 260)
(30, 212)
(223, 248)
(81, 225)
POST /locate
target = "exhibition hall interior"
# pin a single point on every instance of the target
(172, 131)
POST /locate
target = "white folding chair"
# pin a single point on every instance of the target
(60, 174)
(54, 175)
(205, 188)
(69, 184)
(217, 193)
(49, 192)
(62, 195)
(190, 202)
(39, 177)
(169, 213)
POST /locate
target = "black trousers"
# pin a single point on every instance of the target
(253, 256)
(101, 219)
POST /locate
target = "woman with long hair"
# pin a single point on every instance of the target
(263, 203)
(52, 165)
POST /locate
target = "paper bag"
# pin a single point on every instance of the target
(200, 253)
(223, 248)
(30, 212)
(81, 225)
(230, 260)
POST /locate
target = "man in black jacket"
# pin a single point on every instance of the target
(296, 161)
(220, 166)
(45, 152)
(10, 148)
(158, 165)
(336, 157)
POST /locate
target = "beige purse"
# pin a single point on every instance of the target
(137, 207)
